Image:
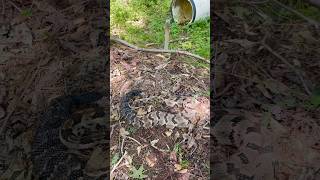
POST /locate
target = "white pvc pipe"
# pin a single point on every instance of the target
(189, 11)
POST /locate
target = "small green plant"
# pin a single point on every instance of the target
(26, 13)
(177, 149)
(138, 173)
(314, 100)
(115, 159)
(206, 93)
(132, 130)
(184, 164)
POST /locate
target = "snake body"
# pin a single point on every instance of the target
(154, 118)
(50, 156)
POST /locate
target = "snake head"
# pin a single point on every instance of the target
(134, 93)
(125, 110)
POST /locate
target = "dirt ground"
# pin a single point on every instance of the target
(43, 46)
(164, 154)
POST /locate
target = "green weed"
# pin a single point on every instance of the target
(115, 159)
(138, 173)
(26, 13)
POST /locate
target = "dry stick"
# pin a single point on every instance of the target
(11, 110)
(166, 34)
(311, 21)
(116, 165)
(288, 64)
(134, 140)
(14, 5)
(157, 50)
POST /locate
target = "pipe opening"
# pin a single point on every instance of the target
(182, 11)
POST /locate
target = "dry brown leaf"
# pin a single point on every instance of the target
(197, 110)
(44, 6)
(168, 133)
(97, 161)
(125, 87)
(173, 156)
(151, 160)
(177, 167)
(183, 175)
(21, 33)
(141, 112)
(123, 132)
(263, 90)
(183, 171)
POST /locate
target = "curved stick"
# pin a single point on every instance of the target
(157, 50)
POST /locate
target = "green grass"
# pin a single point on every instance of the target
(141, 22)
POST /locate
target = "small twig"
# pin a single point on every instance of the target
(112, 129)
(134, 140)
(116, 165)
(15, 6)
(288, 64)
(11, 110)
(166, 34)
(302, 96)
(122, 145)
(311, 21)
(171, 41)
(230, 85)
(157, 50)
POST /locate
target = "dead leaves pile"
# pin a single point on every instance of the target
(158, 76)
(39, 40)
(263, 83)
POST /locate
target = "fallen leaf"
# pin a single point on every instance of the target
(139, 150)
(151, 160)
(123, 132)
(154, 142)
(177, 167)
(168, 133)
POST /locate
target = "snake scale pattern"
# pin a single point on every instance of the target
(50, 156)
(153, 118)
(248, 145)
(73, 125)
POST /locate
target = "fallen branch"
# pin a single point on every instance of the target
(157, 50)
(15, 6)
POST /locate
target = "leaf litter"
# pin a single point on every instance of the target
(156, 74)
(266, 80)
(34, 66)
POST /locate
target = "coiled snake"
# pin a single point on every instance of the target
(153, 118)
(51, 155)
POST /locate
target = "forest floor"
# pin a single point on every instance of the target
(266, 92)
(41, 43)
(157, 152)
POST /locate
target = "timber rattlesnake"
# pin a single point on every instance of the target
(51, 157)
(171, 120)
